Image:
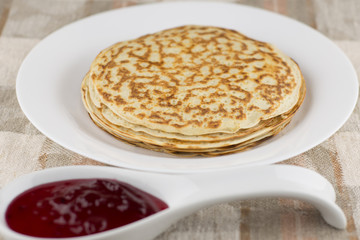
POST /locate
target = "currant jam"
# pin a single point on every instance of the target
(79, 207)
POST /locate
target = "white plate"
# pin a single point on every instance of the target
(48, 83)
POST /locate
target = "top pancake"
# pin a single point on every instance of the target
(195, 80)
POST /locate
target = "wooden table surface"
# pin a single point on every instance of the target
(23, 149)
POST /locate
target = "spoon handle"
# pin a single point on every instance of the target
(273, 181)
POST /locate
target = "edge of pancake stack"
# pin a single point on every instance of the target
(193, 90)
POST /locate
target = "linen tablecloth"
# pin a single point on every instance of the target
(23, 149)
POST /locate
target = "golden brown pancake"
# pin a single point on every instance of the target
(193, 89)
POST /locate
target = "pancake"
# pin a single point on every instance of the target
(193, 90)
(195, 80)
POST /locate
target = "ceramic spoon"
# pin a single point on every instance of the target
(187, 193)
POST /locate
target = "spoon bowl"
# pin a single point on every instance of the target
(186, 193)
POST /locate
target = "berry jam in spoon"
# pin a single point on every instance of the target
(79, 207)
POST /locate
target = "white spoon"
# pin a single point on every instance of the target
(187, 193)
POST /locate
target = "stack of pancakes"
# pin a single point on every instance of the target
(193, 90)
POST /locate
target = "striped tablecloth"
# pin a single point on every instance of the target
(23, 149)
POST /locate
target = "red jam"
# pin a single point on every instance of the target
(79, 207)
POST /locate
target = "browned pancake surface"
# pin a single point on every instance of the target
(195, 80)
